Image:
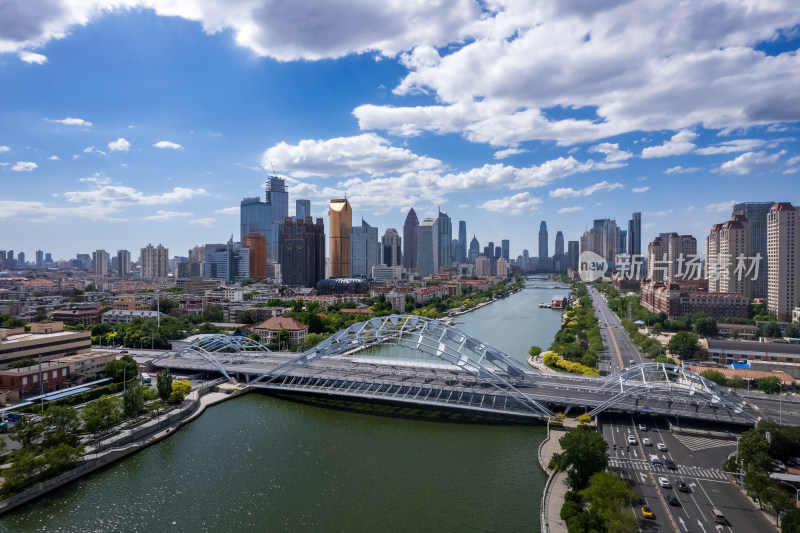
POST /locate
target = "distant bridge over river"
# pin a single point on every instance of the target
(410, 360)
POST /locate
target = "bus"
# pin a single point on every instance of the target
(145, 378)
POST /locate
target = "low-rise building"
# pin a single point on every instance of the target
(87, 366)
(128, 302)
(119, 316)
(677, 300)
(26, 379)
(75, 317)
(759, 355)
(48, 341)
(738, 331)
(268, 330)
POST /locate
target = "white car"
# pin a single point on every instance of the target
(646, 442)
(661, 446)
(664, 482)
(631, 439)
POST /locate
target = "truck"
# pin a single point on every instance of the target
(654, 460)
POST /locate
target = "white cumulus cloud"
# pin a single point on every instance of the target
(207, 222)
(572, 209)
(31, 57)
(727, 147)
(750, 162)
(162, 215)
(568, 192)
(117, 195)
(4, 149)
(24, 166)
(721, 207)
(678, 169)
(121, 145)
(70, 121)
(344, 156)
(640, 189)
(680, 143)
(231, 210)
(611, 151)
(168, 144)
(502, 154)
(513, 205)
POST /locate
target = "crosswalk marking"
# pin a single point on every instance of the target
(689, 471)
(702, 443)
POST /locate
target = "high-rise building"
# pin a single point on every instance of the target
(229, 262)
(756, 214)
(573, 252)
(256, 243)
(303, 252)
(622, 246)
(341, 223)
(525, 264)
(559, 259)
(474, 249)
(502, 267)
(657, 263)
(482, 267)
(123, 263)
(302, 209)
(48, 258)
(100, 262)
(278, 199)
(39, 258)
(154, 261)
(783, 260)
(255, 217)
(635, 234)
(21, 259)
(457, 251)
(391, 248)
(602, 239)
(505, 249)
(445, 236)
(428, 248)
(462, 240)
(363, 250)
(544, 257)
(410, 240)
(669, 257)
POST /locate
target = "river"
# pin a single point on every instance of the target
(259, 463)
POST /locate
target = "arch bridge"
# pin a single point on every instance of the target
(409, 359)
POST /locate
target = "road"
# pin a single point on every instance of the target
(698, 464)
(620, 350)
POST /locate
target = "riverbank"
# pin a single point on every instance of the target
(126, 442)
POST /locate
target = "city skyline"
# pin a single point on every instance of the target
(128, 126)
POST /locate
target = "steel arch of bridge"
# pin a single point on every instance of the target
(219, 349)
(665, 381)
(433, 338)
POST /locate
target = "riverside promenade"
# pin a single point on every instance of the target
(556, 487)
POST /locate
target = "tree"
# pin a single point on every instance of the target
(756, 482)
(793, 330)
(657, 328)
(133, 400)
(312, 339)
(23, 472)
(22, 363)
(754, 450)
(62, 423)
(213, 313)
(180, 389)
(705, 327)
(609, 496)
(776, 500)
(683, 344)
(102, 413)
(149, 394)
(584, 454)
(26, 430)
(164, 384)
(715, 376)
(122, 368)
(791, 522)
(736, 382)
(772, 329)
(769, 385)
(534, 351)
(60, 458)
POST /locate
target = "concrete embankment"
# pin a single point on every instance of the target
(126, 442)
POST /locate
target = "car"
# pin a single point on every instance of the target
(646, 442)
(669, 463)
(124, 351)
(632, 362)
(672, 500)
(683, 487)
(661, 446)
(642, 427)
(646, 512)
(664, 482)
(631, 439)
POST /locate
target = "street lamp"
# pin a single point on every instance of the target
(797, 493)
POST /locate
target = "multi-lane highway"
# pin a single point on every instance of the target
(697, 464)
(620, 350)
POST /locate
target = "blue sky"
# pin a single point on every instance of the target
(128, 122)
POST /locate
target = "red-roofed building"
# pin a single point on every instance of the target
(268, 330)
